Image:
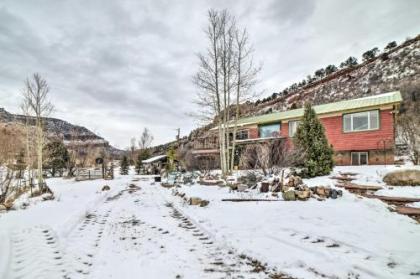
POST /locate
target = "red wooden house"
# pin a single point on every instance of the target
(361, 131)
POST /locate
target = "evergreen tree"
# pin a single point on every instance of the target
(171, 159)
(330, 69)
(310, 140)
(350, 62)
(391, 45)
(56, 157)
(138, 163)
(370, 54)
(124, 166)
(143, 155)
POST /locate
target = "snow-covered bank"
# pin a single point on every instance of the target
(87, 233)
(343, 238)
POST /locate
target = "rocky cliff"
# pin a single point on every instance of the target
(391, 70)
(57, 128)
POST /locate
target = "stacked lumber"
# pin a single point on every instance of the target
(250, 200)
(406, 210)
(403, 200)
(359, 189)
(343, 178)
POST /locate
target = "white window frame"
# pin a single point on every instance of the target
(242, 131)
(290, 127)
(368, 117)
(358, 158)
(265, 125)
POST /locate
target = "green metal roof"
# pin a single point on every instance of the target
(366, 102)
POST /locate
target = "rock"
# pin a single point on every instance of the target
(204, 203)
(333, 194)
(106, 188)
(289, 196)
(320, 191)
(194, 201)
(233, 187)
(242, 187)
(275, 194)
(47, 197)
(8, 205)
(408, 177)
(2, 208)
(327, 191)
(265, 187)
(298, 181)
(303, 195)
(294, 181)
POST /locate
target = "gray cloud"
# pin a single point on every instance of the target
(118, 66)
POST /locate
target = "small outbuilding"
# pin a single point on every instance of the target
(155, 164)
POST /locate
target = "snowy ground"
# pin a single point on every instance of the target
(149, 233)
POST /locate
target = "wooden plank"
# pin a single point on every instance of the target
(343, 178)
(250, 200)
(360, 187)
(211, 182)
(348, 173)
(411, 211)
(394, 199)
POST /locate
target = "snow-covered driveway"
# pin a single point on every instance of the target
(87, 233)
(150, 233)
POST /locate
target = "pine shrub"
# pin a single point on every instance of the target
(124, 166)
(312, 144)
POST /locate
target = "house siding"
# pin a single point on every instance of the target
(345, 143)
(363, 140)
(378, 143)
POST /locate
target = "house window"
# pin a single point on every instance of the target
(293, 125)
(359, 158)
(242, 135)
(361, 121)
(269, 131)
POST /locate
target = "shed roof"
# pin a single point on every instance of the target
(154, 159)
(365, 102)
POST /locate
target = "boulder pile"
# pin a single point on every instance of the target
(302, 192)
(198, 201)
(192, 200)
(292, 188)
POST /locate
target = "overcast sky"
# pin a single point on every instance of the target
(116, 67)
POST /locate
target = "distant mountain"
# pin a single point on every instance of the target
(57, 128)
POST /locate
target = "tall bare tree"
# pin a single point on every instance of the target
(408, 120)
(146, 139)
(35, 98)
(132, 149)
(29, 143)
(246, 78)
(222, 74)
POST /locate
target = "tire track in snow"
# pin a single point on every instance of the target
(35, 253)
(84, 241)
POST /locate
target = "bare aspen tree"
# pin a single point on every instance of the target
(132, 149)
(28, 143)
(35, 97)
(246, 78)
(146, 139)
(217, 77)
(409, 134)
